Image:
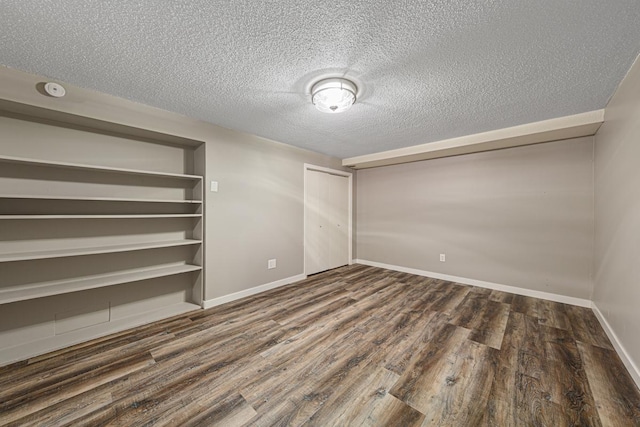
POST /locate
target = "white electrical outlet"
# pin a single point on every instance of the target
(443, 258)
(271, 264)
(214, 186)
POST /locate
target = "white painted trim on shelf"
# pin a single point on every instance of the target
(574, 126)
(482, 284)
(622, 352)
(251, 291)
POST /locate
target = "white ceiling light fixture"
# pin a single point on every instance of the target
(333, 95)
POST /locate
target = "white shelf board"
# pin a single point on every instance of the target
(78, 166)
(69, 252)
(50, 116)
(131, 216)
(57, 342)
(95, 199)
(57, 287)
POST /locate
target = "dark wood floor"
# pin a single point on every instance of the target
(353, 346)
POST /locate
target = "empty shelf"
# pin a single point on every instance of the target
(94, 199)
(128, 216)
(78, 166)
(56, 287)
(69, 252)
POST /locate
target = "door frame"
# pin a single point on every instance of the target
(349, 175)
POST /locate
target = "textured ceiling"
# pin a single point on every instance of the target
(427, 70)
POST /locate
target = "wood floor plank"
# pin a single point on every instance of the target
(231, 411)
(258, 308)
(195, 344)
(311, 381)
(565, 378)
(420, 329)
(487, 319)
(366, 401)
(458, 380)
(161, 396)
(531, 356)
(349, 349)
(70, 371)
(502, 406)
(340, 370)
(358, 291)
(490, 326)
(616, 396)
(533, 406)
(69, 411)
(468, 313)
(25, 404)
(449, 297)
(525, 305)
(356, 345)
(315, 306)
(553, 314)
(486, 292)
(586, 327)
(499, 296)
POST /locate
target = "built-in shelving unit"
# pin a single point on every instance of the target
(88, 249)
(22, 292)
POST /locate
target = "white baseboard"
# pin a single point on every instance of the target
(252, 291)
(482, 284)
(622, 352)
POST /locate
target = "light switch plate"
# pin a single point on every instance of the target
(214, 186)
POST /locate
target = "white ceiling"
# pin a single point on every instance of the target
(427, 70)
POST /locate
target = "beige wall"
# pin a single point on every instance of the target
(257, 213)
(617, 210)
(520, 217)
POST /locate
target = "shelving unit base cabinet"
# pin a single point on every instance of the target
(101, 228)
(33, 326)
(51, 343)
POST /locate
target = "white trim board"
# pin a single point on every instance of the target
(251, 291)
(575, 126)
(482, 284)
(622, 352)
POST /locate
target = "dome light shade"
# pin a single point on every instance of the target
(333, 95)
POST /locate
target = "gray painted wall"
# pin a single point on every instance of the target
(617, 210)
(520, 217)
(258, 212)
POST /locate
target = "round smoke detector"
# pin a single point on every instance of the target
(54, 89)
